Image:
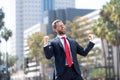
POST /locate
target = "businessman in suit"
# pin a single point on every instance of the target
(65, 50)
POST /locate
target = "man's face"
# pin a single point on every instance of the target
(60, 28)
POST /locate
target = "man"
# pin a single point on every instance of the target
(65, 50)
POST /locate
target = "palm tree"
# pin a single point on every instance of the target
(11, 60)
(35, 44)
(1, 21)
(1, 18)
(99, 29)
(1, 25)
(113, 9)
(110, 23)
(1, 61)
(6, 34)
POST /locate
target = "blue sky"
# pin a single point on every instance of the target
(90, 4)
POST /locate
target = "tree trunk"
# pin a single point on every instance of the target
(118, 63)
(104, 57)
(6, 56)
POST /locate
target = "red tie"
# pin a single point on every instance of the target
(67, 50)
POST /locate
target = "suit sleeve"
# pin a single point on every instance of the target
(48, 50)
(84, 51)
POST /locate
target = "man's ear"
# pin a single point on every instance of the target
(54, 30)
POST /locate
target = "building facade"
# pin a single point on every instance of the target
(29, 13)
(108, 55)
(68, 14)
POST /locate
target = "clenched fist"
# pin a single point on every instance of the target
(46, 39)
(91, 37)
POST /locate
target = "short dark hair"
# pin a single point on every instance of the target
(54, 23)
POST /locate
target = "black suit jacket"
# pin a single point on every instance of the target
(55, 49)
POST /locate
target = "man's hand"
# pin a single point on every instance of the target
(46, 39)
(91, 37)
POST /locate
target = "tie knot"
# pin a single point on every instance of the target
(63, 37)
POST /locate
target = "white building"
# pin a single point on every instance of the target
(29, 32)
(110, 51)
(36, 28)
(89, 18)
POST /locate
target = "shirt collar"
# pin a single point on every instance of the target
(61, 36)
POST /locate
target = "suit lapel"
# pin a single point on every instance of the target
(59, 42)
